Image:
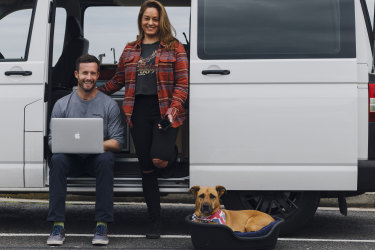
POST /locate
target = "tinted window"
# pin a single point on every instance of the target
(59, 33)
(14, 29)
(276, 29)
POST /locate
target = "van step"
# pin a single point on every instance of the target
(129, 168)
(128, 175)
(182, 182)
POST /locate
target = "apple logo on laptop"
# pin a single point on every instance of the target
(77, 136)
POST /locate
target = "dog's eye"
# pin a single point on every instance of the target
(212, 196)
(201, 196)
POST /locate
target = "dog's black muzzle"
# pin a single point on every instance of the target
(206, 208)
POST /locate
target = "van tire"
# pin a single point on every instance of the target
(296, 208)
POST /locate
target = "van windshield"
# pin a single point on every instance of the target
(276, 29)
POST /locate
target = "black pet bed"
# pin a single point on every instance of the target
(216, 236)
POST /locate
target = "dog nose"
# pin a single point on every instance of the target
(206, 207)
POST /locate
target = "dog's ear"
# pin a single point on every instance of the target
(194, 190)
(220, 190)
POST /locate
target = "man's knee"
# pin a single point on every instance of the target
(59, 163)
(105, 160)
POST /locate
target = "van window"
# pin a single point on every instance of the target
(15, 25)
(59, 34)
(261, 29)
(109, 35)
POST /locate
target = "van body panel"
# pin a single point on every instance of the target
(14, 175)
(276, 177)
(39, 43)
(363, 48)
(34, 113)
(274, 71)
(34, 163)
(13, 101)
(280, 120)
(273, 124)
(364, 58)
(22, 106)
(363, 127)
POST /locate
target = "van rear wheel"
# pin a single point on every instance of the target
(296, 208)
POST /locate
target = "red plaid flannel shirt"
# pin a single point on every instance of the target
(171, 74)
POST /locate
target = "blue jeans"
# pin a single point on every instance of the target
(98, 165)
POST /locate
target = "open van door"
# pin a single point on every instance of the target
(24, 30)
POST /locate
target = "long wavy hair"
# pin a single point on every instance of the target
(166, 31)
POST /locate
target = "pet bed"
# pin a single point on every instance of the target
(216, 236)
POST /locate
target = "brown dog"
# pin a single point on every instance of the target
(207, 209)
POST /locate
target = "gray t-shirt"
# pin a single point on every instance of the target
(101, 106)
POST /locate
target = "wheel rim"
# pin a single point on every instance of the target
(281, 204)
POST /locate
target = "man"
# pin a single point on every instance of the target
(86, 102)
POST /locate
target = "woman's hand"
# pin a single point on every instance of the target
(170, 118)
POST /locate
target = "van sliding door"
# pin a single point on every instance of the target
(23, 46)
(273, 96)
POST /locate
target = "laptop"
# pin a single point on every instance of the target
(77, 135)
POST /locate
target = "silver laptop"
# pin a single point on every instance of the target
(77, 135)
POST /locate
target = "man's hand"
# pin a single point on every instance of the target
(111, 145)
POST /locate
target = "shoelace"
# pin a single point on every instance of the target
(100, 230)
(56, 230)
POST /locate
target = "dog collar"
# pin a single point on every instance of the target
(218, 217)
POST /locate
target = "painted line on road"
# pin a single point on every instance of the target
(91, 235)
(177, 237)
(355, 209)
(326, 240)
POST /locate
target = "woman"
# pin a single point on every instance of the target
(154, 71)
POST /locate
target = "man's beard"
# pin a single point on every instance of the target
(81, 84)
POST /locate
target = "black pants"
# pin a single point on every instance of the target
(150, 143)
(99, 165)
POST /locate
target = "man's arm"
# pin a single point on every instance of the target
(111, 145)
(115, 129)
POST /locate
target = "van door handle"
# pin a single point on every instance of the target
(216, 72)
(19, 73)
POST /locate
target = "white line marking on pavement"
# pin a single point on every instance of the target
(327, 240)
(91, 235)
(356, 209)
(169, 236)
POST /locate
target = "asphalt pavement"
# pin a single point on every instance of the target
(23, 225)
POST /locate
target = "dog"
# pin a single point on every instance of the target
(207, 210)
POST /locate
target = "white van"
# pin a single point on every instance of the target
(281, 111)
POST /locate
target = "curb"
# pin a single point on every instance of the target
(364, 200)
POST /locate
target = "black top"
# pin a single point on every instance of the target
(146, 71)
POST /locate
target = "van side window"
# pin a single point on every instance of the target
(59, 34)
(274, 29)
(15, 25)
(109, 35)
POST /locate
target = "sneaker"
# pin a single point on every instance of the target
(100, 237)
(154, 230)
(57, 236)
